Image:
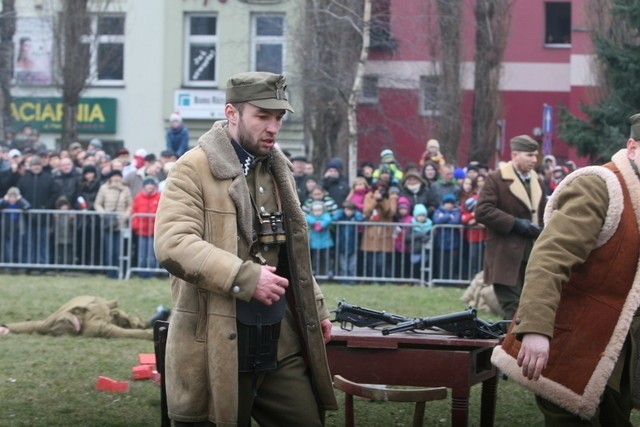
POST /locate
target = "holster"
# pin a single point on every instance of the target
(258, 333)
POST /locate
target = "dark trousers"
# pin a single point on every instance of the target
(509, 296)
(283, 397)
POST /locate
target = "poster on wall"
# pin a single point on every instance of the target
(33, 43)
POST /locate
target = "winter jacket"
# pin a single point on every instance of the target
(204, 233)
(178, 140)
(144, 203)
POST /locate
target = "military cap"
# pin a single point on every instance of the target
(264, 90)
(523, 143)
(635, 126)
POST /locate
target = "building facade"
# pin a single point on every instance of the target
(546, 65)
(149, 59)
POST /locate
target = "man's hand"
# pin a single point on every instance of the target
(271, 287)
(533, 355)
(326, 330)
(4, 330)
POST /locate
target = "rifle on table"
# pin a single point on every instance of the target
(464, 324)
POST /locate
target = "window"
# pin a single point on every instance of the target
(429, 95)
(267, 42)
(557, 24)
(369, 92)
(104, 37)
(381, 26)
(201, 48)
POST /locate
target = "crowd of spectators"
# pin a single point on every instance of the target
(86, 179)
(415, 196)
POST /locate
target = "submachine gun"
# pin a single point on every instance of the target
(464, 324)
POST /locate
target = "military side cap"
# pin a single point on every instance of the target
(523, 143)
(264, 90)
(635, 126)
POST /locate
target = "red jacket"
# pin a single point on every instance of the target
(144, 203)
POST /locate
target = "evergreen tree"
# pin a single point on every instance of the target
(607, 124)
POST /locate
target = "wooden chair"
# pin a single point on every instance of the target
(383, 393)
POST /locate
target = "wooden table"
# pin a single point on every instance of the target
(424, 359)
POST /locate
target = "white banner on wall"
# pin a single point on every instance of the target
(33, 43)
(199, 104)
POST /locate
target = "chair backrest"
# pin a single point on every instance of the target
(383, 393)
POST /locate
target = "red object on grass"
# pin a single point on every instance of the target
(147, 358)
(111, 385)
(142, 372)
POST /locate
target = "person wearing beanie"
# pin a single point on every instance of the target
(415, 188)
(378, 240)
(432, 154)
(177, 136)
(64, 231)
(335, 184)
(511, 205)
(474, 236)
(94, 145)
(67, 177)
(446, 184)
(145, 205)
(402, 254)
(320, 239)
(420, 235)
(114, 201)
(446, 243)
(459, 174)
(39, 188)
(13, 225)
(366, 170)
(388, 163)
(347, 238)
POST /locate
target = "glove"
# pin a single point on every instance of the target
(317, 226)
(526, 228)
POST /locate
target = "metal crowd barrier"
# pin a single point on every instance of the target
(360, 252)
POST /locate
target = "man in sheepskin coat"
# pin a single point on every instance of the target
(573, 341)
(511, 205)
(249, 321)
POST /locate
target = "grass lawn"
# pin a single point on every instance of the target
(46, 381)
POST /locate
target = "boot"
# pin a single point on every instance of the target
(162, 313)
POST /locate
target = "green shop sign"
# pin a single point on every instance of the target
(94, 115)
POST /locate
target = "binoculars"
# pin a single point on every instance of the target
(271, 229)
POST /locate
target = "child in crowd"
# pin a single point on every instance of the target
(144, 204)
(377, 240)
(474, 237)
(318, 194)
(310, 183)
(347, 236)
(432, 153)
(359, 189)
(402, 254)
(388, 164)
(64, 232)
(447, 239)
(13, 224)
(419, 236)
(320, 239)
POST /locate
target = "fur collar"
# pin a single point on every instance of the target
(614, 211)
(517, 188)
(224, 164)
